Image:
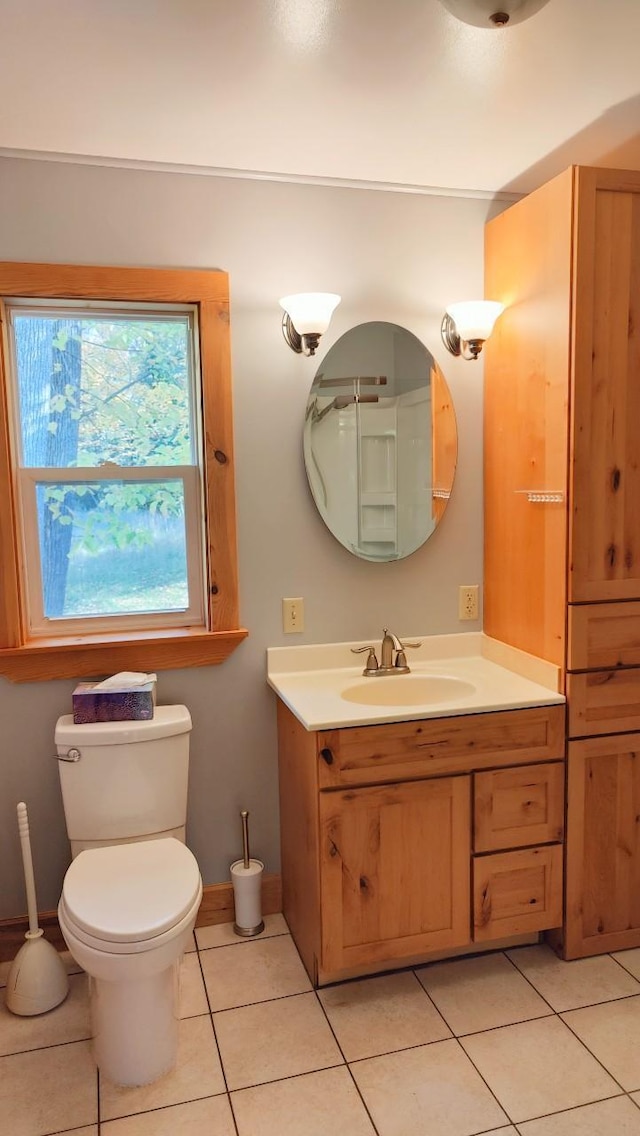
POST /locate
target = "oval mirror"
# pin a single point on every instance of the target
(380, 441)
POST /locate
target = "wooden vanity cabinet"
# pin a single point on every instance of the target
(562, 506)
(386, 829)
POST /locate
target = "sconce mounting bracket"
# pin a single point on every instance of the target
(301, 344)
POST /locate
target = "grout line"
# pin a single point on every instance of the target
(215, 1039)
(99, 1121)
(572, 1108)
(626, 968)
(243, 942)
(483, 1078)
(155, 1108)
(347, 1063)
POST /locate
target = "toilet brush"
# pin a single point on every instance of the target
(37, 978)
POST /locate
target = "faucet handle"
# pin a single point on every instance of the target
(401, 658)
(371, 665)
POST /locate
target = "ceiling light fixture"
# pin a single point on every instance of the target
(493, 13)
(306, 317)
(466, 325)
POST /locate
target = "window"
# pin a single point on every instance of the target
(115, 471)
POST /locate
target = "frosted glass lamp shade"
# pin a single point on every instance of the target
(310, 311)
(306, 318)
(474, 319)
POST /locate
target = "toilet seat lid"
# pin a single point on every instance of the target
(131, 892)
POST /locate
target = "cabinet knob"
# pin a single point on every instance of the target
(327, 756)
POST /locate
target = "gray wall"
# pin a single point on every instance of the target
(392, 256)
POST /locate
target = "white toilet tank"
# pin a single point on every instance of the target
(130, 781)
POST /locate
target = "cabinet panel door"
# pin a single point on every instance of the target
(603, 845)
(604, 561)
(601, 702)
(394, 871)
(516, 892)
(516, 807)
(361, 755)
(603, 635)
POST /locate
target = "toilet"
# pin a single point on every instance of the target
(132, 892)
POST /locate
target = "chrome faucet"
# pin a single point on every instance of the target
(387, 665)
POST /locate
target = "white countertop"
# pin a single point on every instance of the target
(312, 679)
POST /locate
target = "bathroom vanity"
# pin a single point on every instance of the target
(413, 831)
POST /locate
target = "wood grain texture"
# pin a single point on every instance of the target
(24, 660)
(518, 891)
(217, 422)
(367, 754)
(603, 846)
(528, 251)
(604, 702)
(11, 630)
(603, 635)
(605, 473)
(299, 836)
(98, 282)
(89, 657)
(394, 871)
(517, 807)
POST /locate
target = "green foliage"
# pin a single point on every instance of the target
(131, 406)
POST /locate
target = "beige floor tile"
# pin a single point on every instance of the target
(193, 998)
(223, 934)
(253, 972)
(538, 1067)
(48, 1090)
(433, 1089)
(479, 993)
(630, 960)
(197, 1074)
(317, 1104)
(271, 1040)
(567, 985)
(211, 1116)
(612, 1033)
(378, 1015)
(67, 1022)
(617, 1117)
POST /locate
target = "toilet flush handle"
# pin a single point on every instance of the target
(70, 755)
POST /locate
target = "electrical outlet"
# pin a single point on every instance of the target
(293, 616)
(468, 601)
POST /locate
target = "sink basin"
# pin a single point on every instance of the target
(408, 690)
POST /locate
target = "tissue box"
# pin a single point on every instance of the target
(91, 705)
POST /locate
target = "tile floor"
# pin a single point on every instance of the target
(502, 1044)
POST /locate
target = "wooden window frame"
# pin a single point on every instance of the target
(24, 659)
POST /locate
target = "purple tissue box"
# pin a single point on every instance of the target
(91, 705)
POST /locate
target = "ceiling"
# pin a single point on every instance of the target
(396, 92)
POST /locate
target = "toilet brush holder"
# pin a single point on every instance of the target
(247, 897)
(246, 877)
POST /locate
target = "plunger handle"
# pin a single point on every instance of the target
(23, 829)
(244, 815)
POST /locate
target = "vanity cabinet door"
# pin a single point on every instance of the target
(604, 560)
(603, 845)
(394, 871)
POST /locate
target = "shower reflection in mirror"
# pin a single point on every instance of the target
(380, 442)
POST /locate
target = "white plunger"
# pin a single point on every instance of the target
(37, 978)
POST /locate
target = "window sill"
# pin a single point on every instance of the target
(87, 656)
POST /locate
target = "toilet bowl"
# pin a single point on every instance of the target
(126, 913)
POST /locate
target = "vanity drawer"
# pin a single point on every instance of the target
(516, 807)
(401, 751)
(604, 702)
(604, 635)
(517, 892)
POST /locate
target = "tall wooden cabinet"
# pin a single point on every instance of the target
(562, 498)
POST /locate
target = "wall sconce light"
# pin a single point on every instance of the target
(466, 325)
(306, 317)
